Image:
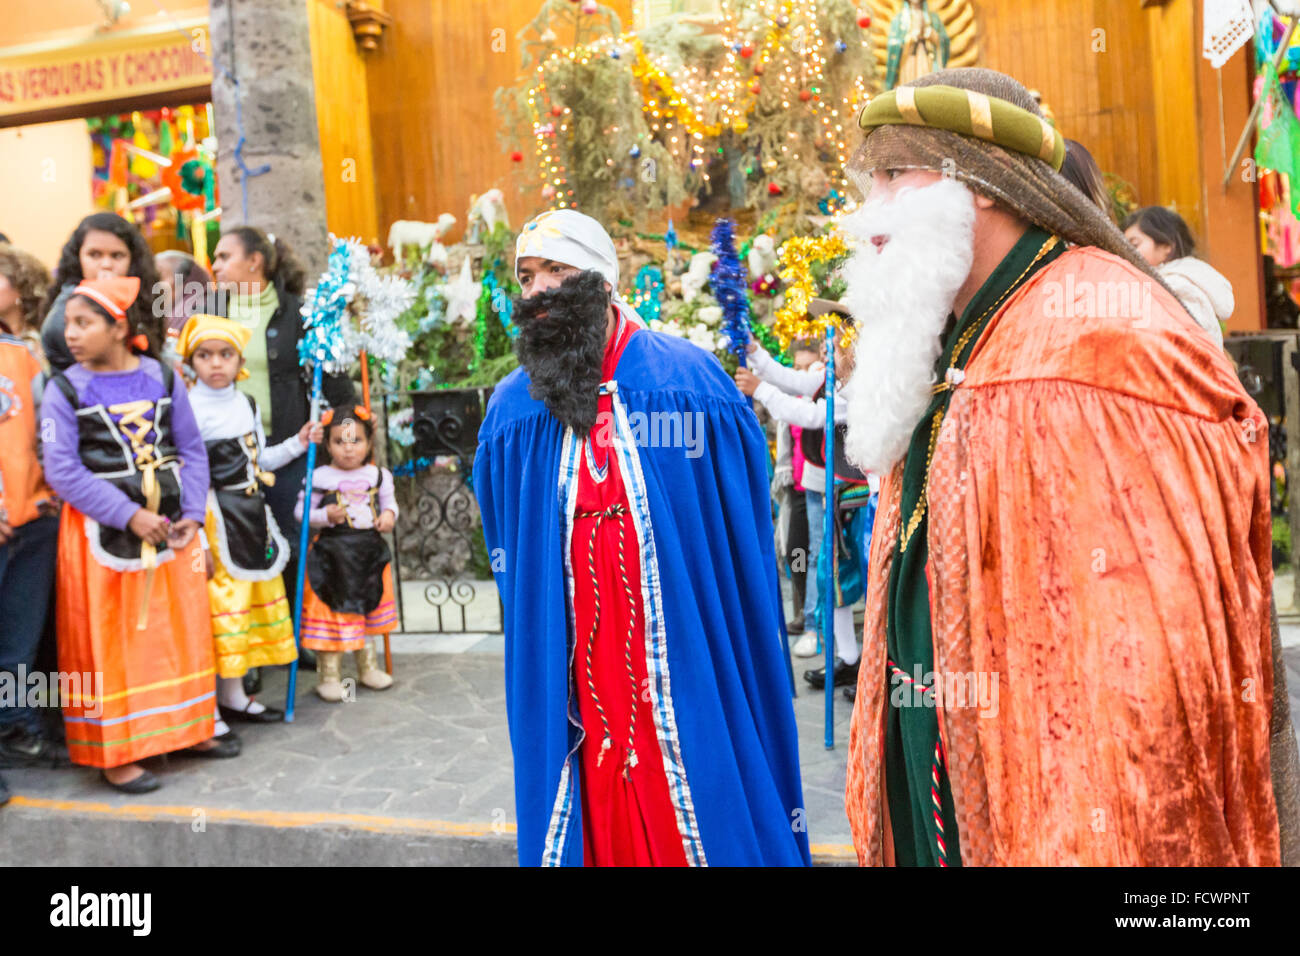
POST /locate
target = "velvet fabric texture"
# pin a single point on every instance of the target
(1099, 541)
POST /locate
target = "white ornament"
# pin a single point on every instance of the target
(1228, 25)
(697, 275)
(462, 294)
(762, 255)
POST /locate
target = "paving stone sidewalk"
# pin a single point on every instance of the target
(431, 750)
(429, 756)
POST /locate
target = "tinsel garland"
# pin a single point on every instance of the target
(729, 283)
(323, 309)
(678, 107)
(648, 300)
(770, 343)
(480, 327)
(501, 303)
(797, 257)
(353, 309)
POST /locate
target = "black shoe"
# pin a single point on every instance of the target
(4, 792)
(227, 745)
(306, 659)
(268, 715)
(253, 682)
(22, 749)
(845, 674)
(851, 694)
(145, 783)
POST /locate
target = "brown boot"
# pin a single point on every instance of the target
(369, 671)
(329, 680)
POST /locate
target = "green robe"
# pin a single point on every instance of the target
(911, 721)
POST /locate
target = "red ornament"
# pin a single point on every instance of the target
(774, 189)
(747, 51)
(754, 87)
(864, 21)
(516, 157)
(758, 69)
(805, 95)
(557, 110)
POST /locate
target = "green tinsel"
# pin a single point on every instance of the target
(768, 340)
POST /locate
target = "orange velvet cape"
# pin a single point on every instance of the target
(1100, 551)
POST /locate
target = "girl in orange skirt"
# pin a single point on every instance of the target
(124, 453)
(348, 592)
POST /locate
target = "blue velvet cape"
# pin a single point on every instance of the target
(714, 626)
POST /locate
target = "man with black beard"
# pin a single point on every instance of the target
(1067, 652)
(623, 487)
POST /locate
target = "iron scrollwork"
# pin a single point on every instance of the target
(439, 538)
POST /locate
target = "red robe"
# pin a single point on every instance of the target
(627, 813)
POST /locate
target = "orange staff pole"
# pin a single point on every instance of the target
(365, 400)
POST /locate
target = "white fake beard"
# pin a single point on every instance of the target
(901, 297)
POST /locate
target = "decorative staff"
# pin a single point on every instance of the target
(827, 558)
(352, 312)
(730, 284)
(809, 265)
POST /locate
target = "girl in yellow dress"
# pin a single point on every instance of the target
(252, 624)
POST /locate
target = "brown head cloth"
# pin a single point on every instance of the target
(1024, 184)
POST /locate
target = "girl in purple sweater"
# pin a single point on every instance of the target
(123, 452)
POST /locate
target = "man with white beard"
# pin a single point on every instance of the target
(1067, 656)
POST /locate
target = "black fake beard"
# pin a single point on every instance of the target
(561, 344)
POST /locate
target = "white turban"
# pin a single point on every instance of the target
(567, 236)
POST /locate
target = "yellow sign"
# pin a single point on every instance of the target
(116, 66)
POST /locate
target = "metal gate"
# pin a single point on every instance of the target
(442, 579)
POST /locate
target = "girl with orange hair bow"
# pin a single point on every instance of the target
(123, 451)
(348, 592)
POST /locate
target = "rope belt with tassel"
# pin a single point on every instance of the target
(136, 427)
(618, 512)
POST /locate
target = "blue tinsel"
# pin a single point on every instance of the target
(414, 466)
(730, 283)
(649, 291)
(502, 304)
(322, 338)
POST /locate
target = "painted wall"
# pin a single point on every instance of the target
(47, 185)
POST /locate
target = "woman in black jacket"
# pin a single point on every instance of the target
(263, 283)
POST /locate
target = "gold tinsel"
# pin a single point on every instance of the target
(796, 257)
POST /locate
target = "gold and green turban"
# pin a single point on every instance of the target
(985, 129)
(969, 113)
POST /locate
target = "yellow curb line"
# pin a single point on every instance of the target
(270, 818)
(837, 851)
(287, 818)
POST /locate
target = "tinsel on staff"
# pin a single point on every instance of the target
(352, 311)
(730, 283)
(803, 259)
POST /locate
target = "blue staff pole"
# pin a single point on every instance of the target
(827, 559)
(303, 536)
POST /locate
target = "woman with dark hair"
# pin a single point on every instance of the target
(102, 246)
(185, 286)
(1162, 238)
(264, 282)
(1082, 171)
